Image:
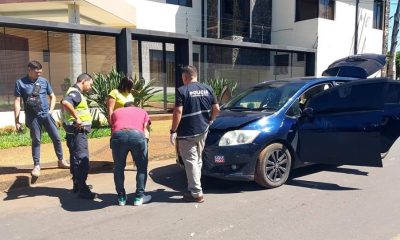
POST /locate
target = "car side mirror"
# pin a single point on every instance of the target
(225, 96)
(307, 113)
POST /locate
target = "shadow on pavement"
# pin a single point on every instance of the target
(69, 201)
(320, 185)
(325, 168)
(172, 176)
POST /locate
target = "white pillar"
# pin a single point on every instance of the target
(219, 19)
(252, 3)
(75, 58)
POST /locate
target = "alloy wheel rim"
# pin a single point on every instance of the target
(277, 165)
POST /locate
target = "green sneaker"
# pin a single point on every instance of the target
(121, 199)
(137, 201)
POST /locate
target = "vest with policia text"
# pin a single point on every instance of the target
(82, 109)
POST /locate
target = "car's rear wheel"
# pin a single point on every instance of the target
(273, 166)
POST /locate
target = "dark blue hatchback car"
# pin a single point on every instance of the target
(276, 126)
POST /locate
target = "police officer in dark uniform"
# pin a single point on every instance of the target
(77, 123)
(195, 108)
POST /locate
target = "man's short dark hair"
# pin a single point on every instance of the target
(35, 65)
(129, 104)
(190, 70)
(83, 77)
(125, 85)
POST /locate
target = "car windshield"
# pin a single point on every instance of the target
(268, 97)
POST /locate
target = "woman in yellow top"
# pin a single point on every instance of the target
(118, 97)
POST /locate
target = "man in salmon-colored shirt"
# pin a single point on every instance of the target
(129, 134)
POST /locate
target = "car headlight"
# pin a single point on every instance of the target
(238, 137)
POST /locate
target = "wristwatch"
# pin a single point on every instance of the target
(172, 131)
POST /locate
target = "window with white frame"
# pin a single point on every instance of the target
(309, 9)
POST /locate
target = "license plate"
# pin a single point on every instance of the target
(219, 159)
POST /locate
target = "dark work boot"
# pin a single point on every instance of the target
(85, 193)
(75, 188)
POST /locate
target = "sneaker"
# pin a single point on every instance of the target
(187, 197)
(36, 171)
(137, 201)
(63, 164)
(121, 199)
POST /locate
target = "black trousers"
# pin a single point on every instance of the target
(79, 155)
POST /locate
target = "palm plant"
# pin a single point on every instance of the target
(218, 84)
(142, 92)
(103, 84)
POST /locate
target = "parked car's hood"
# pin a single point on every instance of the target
(357, 66)
(231, 119)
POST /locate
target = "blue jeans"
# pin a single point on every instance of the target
(35, 125)
(78, 155)
(133, 141)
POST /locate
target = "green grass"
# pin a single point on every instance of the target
(159, 97)
(14, 139)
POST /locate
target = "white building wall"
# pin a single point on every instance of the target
(333, 39)
(371, 39)
(336, 38)
(285, 31)
(160, 16)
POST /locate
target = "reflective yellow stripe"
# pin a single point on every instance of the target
(82, 110)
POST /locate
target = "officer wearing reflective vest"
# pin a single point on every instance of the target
(77, 123)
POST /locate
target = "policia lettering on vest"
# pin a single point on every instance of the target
(77, 122)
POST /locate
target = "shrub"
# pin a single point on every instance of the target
(142, 92)
(218, 84)
(103, 84)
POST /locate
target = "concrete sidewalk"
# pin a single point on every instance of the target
(16, 163)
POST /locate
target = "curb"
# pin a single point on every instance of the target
(24, 180)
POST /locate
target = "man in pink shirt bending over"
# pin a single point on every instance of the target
(129, 131)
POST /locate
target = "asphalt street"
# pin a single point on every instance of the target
(318, 202)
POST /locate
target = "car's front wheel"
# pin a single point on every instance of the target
(273, 166)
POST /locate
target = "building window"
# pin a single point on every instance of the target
(281, 64)
(378, 14)
(327, 9)
(235, 18)
(156, 68)
(186, 3)
(309, 9)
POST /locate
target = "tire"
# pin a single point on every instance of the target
(273, 166)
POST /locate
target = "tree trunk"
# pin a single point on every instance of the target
(392, 55)
(385, 34)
